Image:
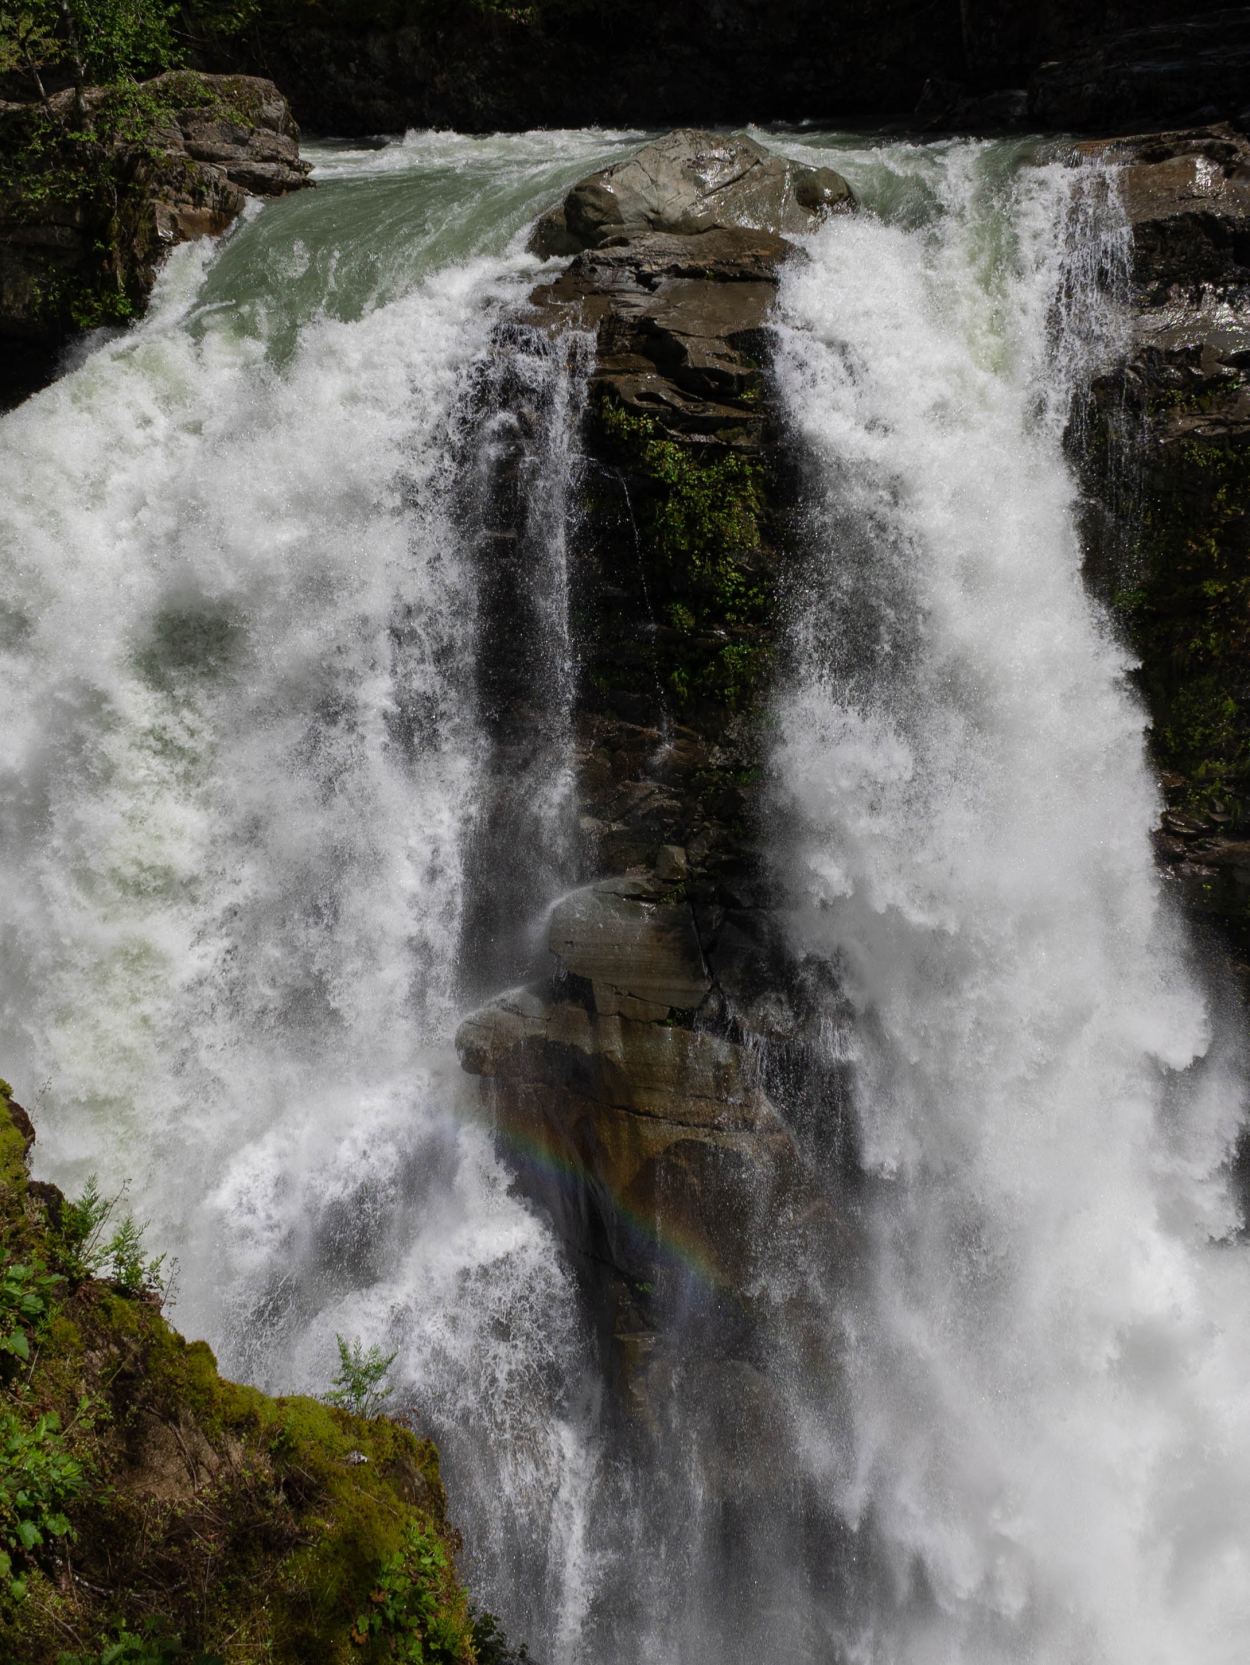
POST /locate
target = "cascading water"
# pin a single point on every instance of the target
(275, 566)
(1049, 1441)
(245, 757)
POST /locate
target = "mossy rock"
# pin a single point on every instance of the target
(195, 1509)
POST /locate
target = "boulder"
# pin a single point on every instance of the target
(691, 182)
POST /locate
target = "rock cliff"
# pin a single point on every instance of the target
(986, 63)
(1168, 460)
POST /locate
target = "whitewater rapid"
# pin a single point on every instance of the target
(1049, 1449)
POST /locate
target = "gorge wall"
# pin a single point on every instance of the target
(1166, 448)
(558, 63)
(662, 1094)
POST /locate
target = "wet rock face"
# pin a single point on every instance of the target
(1169, 471)
(1187, 197)
(639, 952)
(680, 323)
(690, 182)
(649, 1140)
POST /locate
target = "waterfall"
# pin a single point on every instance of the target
(286, 786)
(1048, 1452)
(246, 757)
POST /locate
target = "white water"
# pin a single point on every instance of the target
(1050, 1444)
(241, 771)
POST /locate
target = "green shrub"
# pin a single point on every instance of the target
(25, 1306)
(360, 1386)
(95, 1241)
(39, 1477)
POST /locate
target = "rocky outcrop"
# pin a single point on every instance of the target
(690, 182)
(1168, 461)
(1185, 65)
(86, 218)
(627, 1084)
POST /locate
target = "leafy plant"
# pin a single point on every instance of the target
(39, 1476)
(491, 1645)
(360, 1386)
(95, 1241)
(25, 1306)
(88, 41)
(411, 1608)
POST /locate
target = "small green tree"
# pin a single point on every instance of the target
(360, 1386)
(90, 42)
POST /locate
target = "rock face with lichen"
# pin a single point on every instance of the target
(627, 1086)
(1169, 468)
(85, 221)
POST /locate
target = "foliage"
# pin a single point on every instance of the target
(39, 1477)
(360, 1386)
(25, 1306)
(126, 1647)
(408, 1610)
(492, 1647)
(90, 41)
(96, 1240)
(701, 509)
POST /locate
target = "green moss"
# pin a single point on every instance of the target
(700, 512)
(194, 1508)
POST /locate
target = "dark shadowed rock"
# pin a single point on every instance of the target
(1191, 65)
(1169, 470)
(690, 182)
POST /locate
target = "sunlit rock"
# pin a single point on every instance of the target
(691, 182)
